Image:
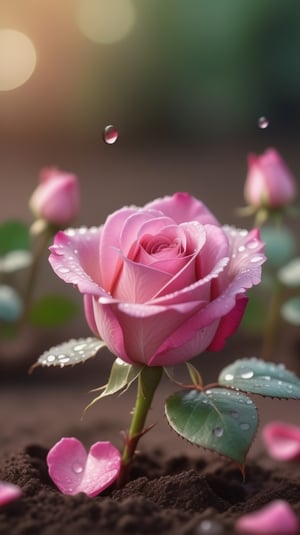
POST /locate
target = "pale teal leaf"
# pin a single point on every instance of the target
(222, 420)
(71, 352)
(290, 311)
(280, 244)
(290, 274)
(259, 377)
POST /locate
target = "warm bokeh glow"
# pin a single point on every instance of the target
(105, 21)
(17, 59)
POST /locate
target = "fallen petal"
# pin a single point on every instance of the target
(9, 493)
(282, 441)
(73, 470)
(276, 518)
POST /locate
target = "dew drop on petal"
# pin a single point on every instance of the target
(110, 134)
(218, 431)
(77, 468)
(263, 122)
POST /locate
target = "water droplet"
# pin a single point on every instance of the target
(110, 134)
(77, 468)
(63, 270)
(234, 414)
(218, 431)
(212, 527)
(263, 122)
(244, 426)
(229, 377)
(247, 374)
(51, 358)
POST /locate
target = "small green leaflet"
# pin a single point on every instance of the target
(259, 377)
(70, 353)
(219, 419)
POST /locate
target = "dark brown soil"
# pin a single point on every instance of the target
(172, 495)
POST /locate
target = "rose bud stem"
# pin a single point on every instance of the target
(43, 239)
(272, 319)
(148, 381)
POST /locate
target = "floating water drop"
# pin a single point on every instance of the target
(77, 468)
(263, 122)
(110, 134)
(218, 431)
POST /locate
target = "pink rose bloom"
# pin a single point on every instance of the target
(56, 198)
(269, 182)
(161, 283)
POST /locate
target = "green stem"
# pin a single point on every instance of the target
(148, 381)
(272, 320)
(41, 247)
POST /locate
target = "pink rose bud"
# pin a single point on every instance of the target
(9, 493)
(56, 198)
(282, 441)
(276, 518)
(269, 182)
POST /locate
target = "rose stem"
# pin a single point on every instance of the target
(148, 381)
(270, 327)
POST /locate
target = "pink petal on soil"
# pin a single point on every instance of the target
(282, 441)
(73, 470)
(276, 518)
(9, 493)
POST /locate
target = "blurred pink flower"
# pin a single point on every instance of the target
(9, 493)
(56, 198)
(282, 440)
(161, 283)
(73, 470)
(276, 518)
(269, 182)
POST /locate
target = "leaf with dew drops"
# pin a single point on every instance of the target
(70, 353)
(259, 377)
(219, 419)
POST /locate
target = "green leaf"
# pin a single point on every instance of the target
(290, 311)
(280, 244)
(52, 310)
(194, 374)
(259, 377)
(219, 419)
(254, 316)
(122, 375)
(14, 235)
(290, 274)
(70, 353)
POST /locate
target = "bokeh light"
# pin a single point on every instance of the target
(17, 59)
(104, 21)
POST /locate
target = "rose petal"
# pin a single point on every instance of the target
(182, 207)
(9, 492)
(282, 441)
(73, 470)
(276, 518)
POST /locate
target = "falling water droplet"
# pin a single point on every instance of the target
(77, 468)
(263, 122)
(110, 134)
(218, 431)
